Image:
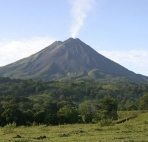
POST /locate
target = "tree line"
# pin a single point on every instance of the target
(24, 111)
(26, 101)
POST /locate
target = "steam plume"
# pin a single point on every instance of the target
(79, 13)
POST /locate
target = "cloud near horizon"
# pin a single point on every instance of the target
(79, 13)
(132, 60)
(12, 51)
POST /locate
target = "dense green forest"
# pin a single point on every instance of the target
(28, 102)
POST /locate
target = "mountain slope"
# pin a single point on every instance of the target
(71, 59)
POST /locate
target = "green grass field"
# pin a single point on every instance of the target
(133, 130)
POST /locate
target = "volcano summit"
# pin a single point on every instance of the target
(71, 59)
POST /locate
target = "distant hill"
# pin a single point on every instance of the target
(71, 59)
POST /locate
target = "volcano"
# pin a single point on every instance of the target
(71, 59)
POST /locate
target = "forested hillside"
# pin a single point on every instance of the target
(55, 102)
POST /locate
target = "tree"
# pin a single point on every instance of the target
(109, 107)
(131, 105)
(12, 114)
(39, 117)
(2, 120)
(51, 119)
(144, 102)
(28, 117)
(86, 109)
(50, 107)
(67, 114)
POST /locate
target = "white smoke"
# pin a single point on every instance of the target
(79, 13)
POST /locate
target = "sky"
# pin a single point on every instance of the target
(117, 29)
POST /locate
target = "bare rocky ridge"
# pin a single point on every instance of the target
(71, 59)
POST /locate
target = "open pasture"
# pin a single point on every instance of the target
(134, 130)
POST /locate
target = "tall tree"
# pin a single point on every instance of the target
(109, 107)
(144, 102)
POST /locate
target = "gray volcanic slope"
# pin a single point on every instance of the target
(71, 59)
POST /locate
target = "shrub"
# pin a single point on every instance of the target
(106, 122)
(9, 128)
(145, 122)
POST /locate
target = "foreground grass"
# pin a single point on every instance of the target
(135, 130)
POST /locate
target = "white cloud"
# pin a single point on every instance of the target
(12, 51)
(135, 60)
(79, 13)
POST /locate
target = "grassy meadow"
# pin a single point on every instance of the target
(133, 130)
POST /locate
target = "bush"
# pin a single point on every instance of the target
(9, 128)
(145, 122)
(106, 122)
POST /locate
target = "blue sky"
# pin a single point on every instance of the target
(118, 29)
